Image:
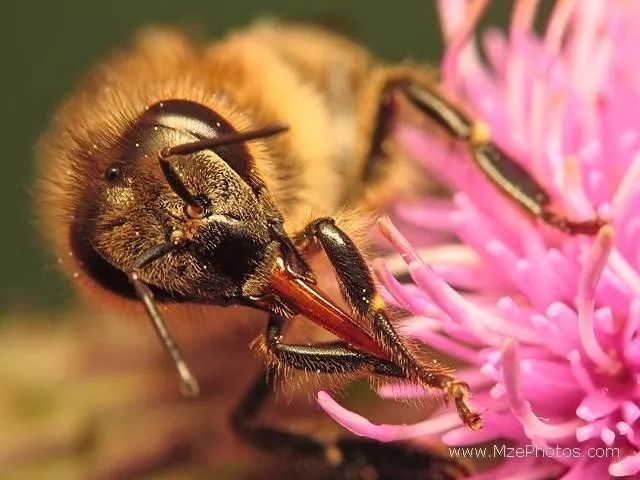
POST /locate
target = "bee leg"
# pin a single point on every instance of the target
(346, 457)
(266, 437)
(333, 358)
(359, 290)
(326, 358)
(502, 170)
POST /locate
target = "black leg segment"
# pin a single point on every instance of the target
(325, 358)
(359, 290)
(502, 170)
(263, 436)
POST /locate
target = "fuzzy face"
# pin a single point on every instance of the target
(222, 255)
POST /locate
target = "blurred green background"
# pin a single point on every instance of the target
(49, 45)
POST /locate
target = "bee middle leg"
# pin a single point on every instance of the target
(514, 181)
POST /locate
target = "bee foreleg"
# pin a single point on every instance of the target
(359, 290)
(342, 454)
(357, 285)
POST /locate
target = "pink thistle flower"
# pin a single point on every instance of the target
(547, 324)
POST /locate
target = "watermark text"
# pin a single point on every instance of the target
(531, 450)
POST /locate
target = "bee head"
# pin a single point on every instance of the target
(179, 202)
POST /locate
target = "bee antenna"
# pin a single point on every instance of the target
(188, 383)
(152, 254)
(224, 139)
(196, 209)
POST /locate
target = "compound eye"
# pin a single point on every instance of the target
(113, 173)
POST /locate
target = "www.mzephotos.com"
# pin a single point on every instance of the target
(533, 450)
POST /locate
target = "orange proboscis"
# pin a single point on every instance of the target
(315, 305)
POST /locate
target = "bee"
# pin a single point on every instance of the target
(212, 174)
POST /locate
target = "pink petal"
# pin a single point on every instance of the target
(594, 265)
(384, 433)
(596, 406)
(630, 412)
(629, 465)
(521, 408)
